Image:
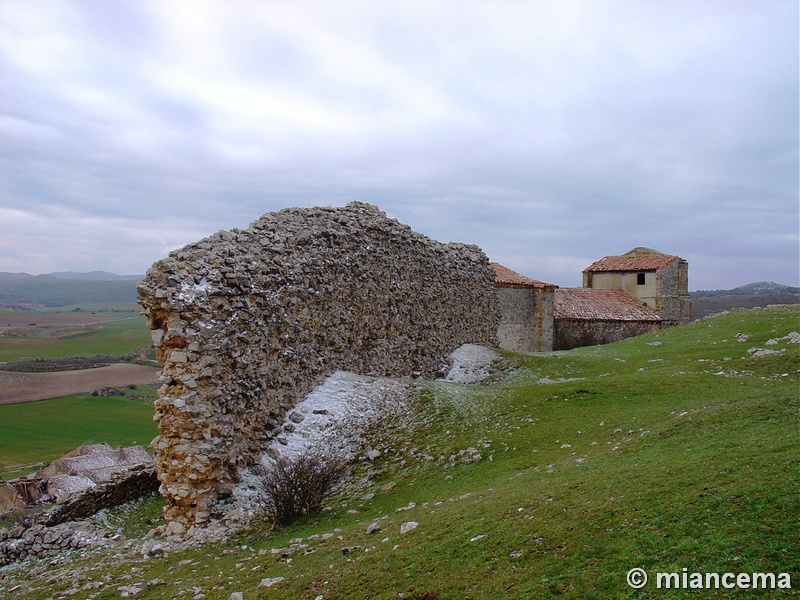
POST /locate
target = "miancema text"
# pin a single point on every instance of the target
(686, 580)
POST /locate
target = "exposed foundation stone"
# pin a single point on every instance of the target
(247, 322)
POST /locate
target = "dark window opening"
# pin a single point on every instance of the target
(640, 279)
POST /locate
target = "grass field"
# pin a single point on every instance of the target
(41, 431)
(49, 335)
(671, 451)
(34, 432)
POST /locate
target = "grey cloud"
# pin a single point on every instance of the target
(548, 134)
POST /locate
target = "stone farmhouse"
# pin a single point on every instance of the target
(622, 296)
(661, 281)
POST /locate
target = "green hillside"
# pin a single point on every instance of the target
(41, 431)
(671, 451)
(26, 292)
(756, 288)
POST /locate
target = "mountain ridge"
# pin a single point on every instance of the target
(755, 288)
(70, 275)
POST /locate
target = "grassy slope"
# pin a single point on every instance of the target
(682, 455)
(33, 432)
(121, 336)
(58, 293)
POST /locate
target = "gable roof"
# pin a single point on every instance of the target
(637, 259)
(599, 305)
(505, 277)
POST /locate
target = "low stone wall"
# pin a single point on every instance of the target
(247, 322)
(55, 530)
(92, 475)
(576, 333)
(38, 541)
(122, 487)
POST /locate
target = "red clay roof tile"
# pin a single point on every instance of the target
(599, 305)
(507, 277)
(638, 259)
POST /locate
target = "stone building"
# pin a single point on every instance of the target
(588, 317)
(526, 311)
(661, 281)
(622, 296)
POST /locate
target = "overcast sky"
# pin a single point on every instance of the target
(549, 132)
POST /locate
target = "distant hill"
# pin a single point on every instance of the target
(757, 288)
(751, 295)
(96, 276)
(90, 276)
(23, 291)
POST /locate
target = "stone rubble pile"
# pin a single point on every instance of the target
(792, 337)
(19, 542)
(81, 483)
(247, 322)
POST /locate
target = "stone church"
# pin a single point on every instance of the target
(622, 296)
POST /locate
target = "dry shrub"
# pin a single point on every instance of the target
(298, 485)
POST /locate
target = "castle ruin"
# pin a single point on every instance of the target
(247, 322)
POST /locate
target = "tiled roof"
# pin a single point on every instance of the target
(599, 305)
(505, 276)
(638, 259)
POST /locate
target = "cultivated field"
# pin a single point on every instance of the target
(37, 432)
(50, 411)
(30, 335)
(22, 324)
(24, 387)
(39, 336)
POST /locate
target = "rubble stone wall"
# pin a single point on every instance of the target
(577, 333)
(38, 541)
(247, 322)
(674, 303)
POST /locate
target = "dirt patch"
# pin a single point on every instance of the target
(25, 387)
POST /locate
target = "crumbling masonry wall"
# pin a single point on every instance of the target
(674, 303)
(247, 322)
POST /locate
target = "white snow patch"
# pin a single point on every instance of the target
(471, 363)
(337, 412)
(331, 420)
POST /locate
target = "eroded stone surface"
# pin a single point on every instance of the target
(247, 322)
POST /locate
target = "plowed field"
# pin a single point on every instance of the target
(24, 387)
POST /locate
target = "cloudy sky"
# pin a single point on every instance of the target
(549, 132)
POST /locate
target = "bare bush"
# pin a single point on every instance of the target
(298, 485)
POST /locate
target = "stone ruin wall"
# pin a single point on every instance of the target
(674, 303)
(247, 322)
